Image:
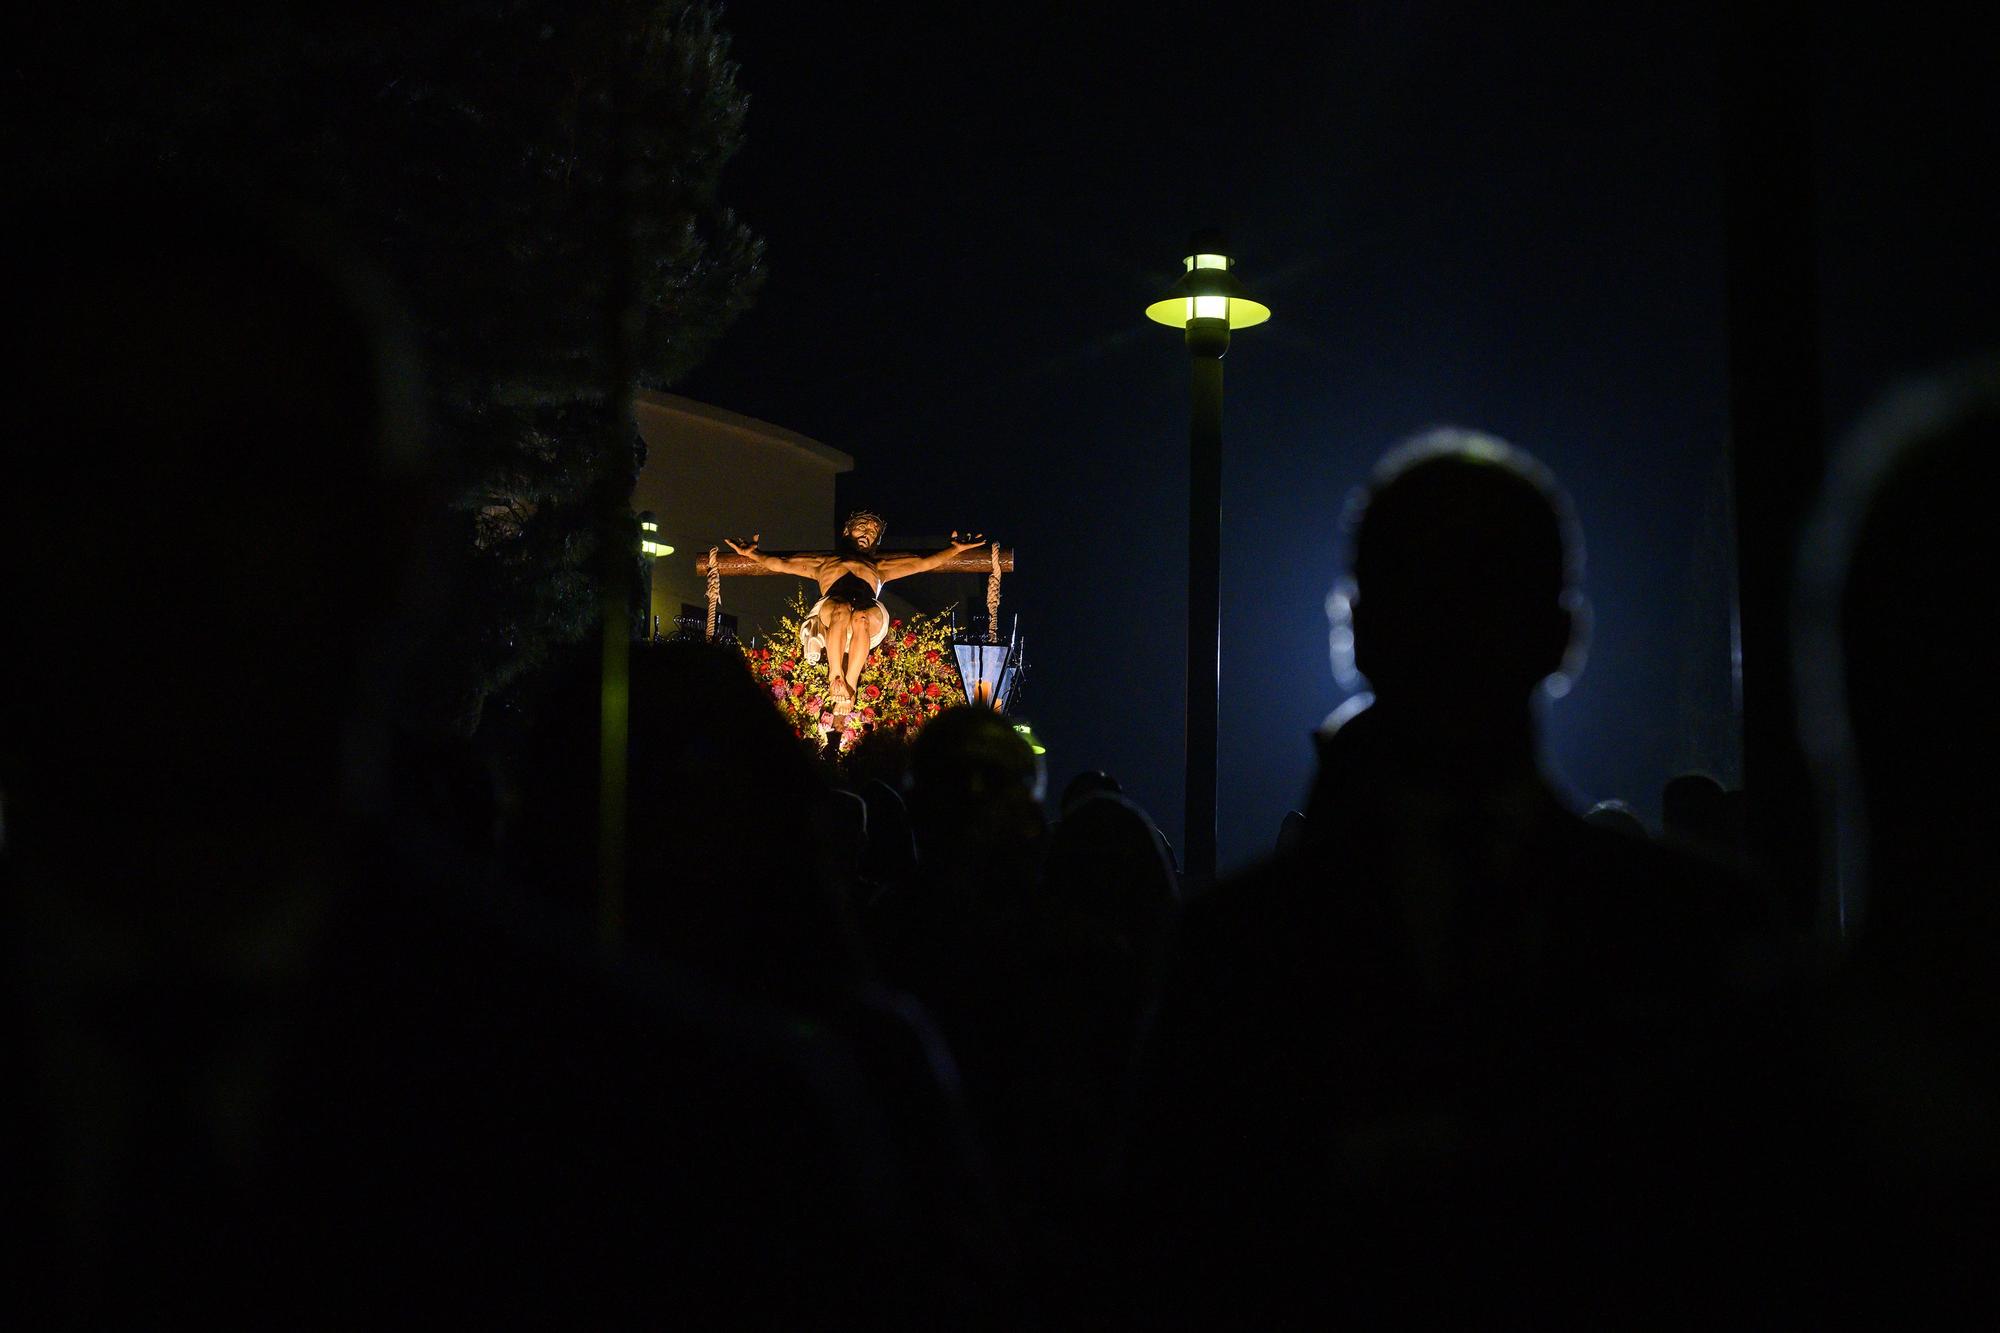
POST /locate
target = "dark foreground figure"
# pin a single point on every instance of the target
(283, 1054)
(1892, 1079)
(1407, 1068)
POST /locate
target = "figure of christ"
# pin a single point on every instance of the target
(848, 621)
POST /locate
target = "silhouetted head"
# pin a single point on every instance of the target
(1463, 595)
(1085, 785)
(863, 529)
(1897, 659)
(1691, 808)
(976, 795)
(1616, 816)
(1292, 830)
(1107, 862)
(881, 755)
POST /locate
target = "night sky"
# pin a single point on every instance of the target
(1459, 214)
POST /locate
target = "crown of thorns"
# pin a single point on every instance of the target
(861, 516)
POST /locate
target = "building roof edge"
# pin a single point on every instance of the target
(674, 405)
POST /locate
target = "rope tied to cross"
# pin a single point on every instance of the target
(714, 591)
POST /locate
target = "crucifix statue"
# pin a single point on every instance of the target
(849, 621)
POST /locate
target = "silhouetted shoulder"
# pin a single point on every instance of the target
(1273, 917)
(1657, 914)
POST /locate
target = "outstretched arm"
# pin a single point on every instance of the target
(805, 566)
(901, 566)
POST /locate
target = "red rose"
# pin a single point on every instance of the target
(931, 656)
(909, 640)
(868, 712)
(871, 691)
(932, 691)
(798, 688)
(895, 624)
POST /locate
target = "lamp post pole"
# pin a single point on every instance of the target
(1207, 340)
(1207, 303)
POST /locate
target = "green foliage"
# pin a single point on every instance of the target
(544, 176)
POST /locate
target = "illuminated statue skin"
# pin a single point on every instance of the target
(849, 622)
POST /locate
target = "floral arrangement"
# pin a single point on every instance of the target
(908, 681)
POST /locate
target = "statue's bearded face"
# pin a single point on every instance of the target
(863, 532)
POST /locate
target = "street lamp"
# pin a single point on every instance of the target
(1207, 303)
(649, 537)
(651, 548)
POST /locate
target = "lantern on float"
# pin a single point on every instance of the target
(989, 668)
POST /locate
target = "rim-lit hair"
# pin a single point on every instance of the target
(1563, 565)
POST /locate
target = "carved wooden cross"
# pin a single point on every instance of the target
(996, 560)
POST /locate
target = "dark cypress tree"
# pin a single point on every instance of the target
(539, 182)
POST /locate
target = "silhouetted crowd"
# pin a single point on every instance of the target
(310, 1022)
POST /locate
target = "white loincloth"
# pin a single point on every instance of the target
(812, 634)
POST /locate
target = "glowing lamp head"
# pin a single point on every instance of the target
(1207, 290)
(650, 544)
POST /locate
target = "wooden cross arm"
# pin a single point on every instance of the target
(971, 562)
